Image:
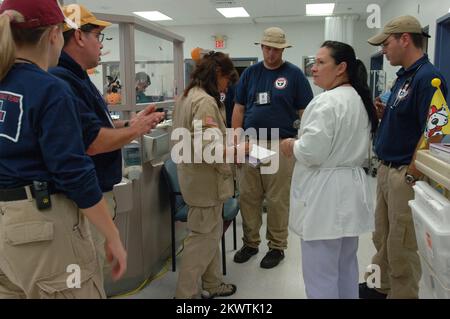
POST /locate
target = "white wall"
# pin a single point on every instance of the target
(306, 38)
(427, 12)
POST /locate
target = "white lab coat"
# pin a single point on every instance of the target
(330, 196)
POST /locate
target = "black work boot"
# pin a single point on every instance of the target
(272, 258)
(369, 293)
(244, 254)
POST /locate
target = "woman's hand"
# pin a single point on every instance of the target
(117, 257)
(287, 147)
(241, 151)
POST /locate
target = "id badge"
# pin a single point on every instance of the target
(263, 98)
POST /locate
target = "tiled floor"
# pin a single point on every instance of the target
(284, 281)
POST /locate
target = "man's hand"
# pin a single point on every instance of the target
(148, 110)
(412, 170)
(379, 106)
(143, 124)
(146, 120)
(287, 147)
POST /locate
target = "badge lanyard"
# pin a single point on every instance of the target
(405, 87)
(262, 98)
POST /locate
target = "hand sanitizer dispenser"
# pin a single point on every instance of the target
(132, 160)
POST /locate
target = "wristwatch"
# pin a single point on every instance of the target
(410, 179)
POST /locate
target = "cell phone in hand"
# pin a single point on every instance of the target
(161, 109)
(385, 97)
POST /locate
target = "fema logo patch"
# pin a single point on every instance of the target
(2, 113)
(281, 83)
(11, 105)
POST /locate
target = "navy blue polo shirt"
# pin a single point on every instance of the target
(288, 90)
(229, 103)
(406, 112)
(41, 137)
(94, 115)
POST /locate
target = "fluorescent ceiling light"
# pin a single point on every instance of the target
(153, 15)
(319, 9)
(237, 12)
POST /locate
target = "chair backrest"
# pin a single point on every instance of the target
(178, 206)
(170, 172)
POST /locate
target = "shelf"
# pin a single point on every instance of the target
(434, 168)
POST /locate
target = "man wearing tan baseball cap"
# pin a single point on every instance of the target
(102, 136)
(81, 16)
(403, 24)
(403, 113)
(270, 95)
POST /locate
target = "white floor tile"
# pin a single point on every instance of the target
(282, 282)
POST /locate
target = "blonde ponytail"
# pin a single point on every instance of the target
(7, 45)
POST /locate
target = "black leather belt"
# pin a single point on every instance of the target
(13, 194)
(392, 164)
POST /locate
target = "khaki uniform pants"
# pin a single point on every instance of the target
(99, 239)
(394, 236)
(39, 251)
(254, 187)
(201, 256)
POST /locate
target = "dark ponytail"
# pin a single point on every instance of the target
(357, 75)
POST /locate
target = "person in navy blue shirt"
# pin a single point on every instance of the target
(229, 103)
(45, 175)
(403, 121)
(103, 137)
(270, 95)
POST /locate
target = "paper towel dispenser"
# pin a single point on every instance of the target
(156, 144)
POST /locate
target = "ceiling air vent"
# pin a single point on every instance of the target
(219, 3)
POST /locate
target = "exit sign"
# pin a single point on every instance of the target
(220, 44)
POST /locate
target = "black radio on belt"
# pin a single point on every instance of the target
(41, 195)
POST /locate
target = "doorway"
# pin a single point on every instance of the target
(442, 49)
(377, 81)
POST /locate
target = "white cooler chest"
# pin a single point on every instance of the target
(431, 213)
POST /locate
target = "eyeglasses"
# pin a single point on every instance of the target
(100, 36)
(385, 44)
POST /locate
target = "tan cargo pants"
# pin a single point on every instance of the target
(394, 237)
(275, 188)
(201, 255)
(40, 251)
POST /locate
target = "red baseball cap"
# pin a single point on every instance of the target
(36, 13)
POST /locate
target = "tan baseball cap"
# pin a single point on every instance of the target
(80, 15)
(403, 24)
(274, 37)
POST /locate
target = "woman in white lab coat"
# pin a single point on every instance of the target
(331, 204)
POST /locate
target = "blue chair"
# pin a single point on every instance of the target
(179, 210)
